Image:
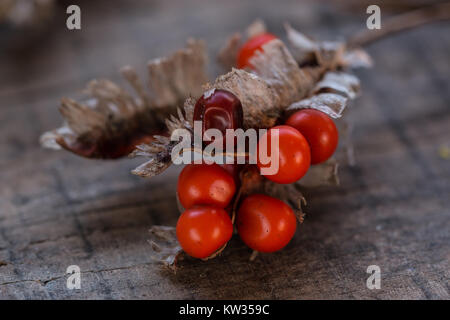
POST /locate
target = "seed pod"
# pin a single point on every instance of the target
(113, 122)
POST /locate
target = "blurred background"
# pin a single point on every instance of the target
(57, 209)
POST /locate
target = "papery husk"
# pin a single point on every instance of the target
(256, 28)
(323, 174)
(277, 82)
(159, 151)
(181, 209)
(227, 56)
(258, 99)
(276, 86)
(305, 50)
(165, 246)
(113, 121)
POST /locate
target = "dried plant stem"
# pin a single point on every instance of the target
(253, 255)
(402, 22)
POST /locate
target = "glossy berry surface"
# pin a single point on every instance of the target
(319, 130)
(205, 184)
(250, 47)
(265, 224)
(219, 109)
(293, 154)
(203, 230)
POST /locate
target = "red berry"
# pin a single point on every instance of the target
(250, 47)
(319, 130)
(219, 109)
(265, 224)
(293, 154)
(205, 184)
(203, 230)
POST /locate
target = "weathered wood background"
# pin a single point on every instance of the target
(56, 209)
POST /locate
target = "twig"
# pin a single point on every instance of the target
(402, 22)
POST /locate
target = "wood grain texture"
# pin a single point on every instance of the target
(392, 208)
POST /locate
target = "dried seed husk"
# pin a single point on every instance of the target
(112, 122)
(166, 249)
(252, 182)
(342, 83)
(276, 87)
(165, 245)
(323, 174)
(28, 13)
(329, 103)
(159, 151)
(227, 56)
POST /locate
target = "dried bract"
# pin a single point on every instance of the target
(324, 174)
(159, 151)
(227, 56)
(276, 86)
(26, 13)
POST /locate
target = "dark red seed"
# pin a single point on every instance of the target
(219, 109)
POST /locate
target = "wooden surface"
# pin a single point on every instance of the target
(56, 209)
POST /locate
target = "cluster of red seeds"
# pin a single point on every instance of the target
(264, 223)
